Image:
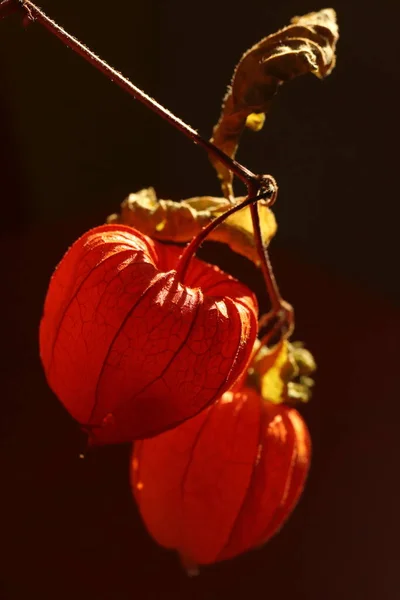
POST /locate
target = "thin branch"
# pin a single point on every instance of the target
(194, 245)
(257, 186)
(280, 308)
(35, 13)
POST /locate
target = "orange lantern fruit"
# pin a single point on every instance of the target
(128, 347)
(225, 481)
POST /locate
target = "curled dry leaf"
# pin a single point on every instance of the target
(305, 46)
(172, 221)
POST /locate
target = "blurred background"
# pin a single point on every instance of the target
(72, 146)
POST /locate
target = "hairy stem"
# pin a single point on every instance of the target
(258, 187)
(280, 309)
(195, 244)
(34, 13)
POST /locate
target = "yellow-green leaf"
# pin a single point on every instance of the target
(281, 374)
(172, 221)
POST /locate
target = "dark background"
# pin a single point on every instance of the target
(72, 146)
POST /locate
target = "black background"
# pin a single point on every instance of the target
(72, 146)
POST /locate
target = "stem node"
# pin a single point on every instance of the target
(259, 187)
(195, 244)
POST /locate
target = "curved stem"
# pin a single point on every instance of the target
(195, 244)
(34, 13)
(280, 308)
(284, 324)
(266, 267)
(256, 185)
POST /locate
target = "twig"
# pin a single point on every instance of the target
(35, 13)
(257, 185)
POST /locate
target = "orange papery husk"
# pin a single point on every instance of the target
(225, 481)
(130, 350)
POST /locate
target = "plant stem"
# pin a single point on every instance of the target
(266, 267)
(280, 308)
(284, 326)
(195, 244)
(35, 13)
(258, 187)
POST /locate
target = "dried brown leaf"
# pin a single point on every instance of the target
(306, 46)
(172, 221)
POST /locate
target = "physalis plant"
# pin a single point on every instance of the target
(140, 340)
